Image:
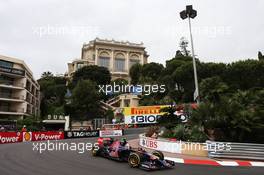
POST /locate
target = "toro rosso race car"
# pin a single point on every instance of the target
(121, 151)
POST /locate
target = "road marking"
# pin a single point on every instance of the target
(215, 163)
(257, 164)
(176, 160)
(201, 162)
(228, 163)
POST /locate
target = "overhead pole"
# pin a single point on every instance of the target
(189, 13)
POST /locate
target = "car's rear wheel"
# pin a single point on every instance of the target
(159, 154)
(94, 152)
(134, 160)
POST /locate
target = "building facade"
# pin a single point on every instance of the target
(116, 56)
(19, 91)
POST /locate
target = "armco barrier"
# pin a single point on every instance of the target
(237, 151)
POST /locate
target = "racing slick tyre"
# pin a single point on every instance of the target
(134, 160)
(159, 154)
(94, 152)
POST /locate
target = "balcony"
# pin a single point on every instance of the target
(11, 84)
(19, 111)
(10, 97)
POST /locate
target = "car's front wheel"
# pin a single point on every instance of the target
(159, 154)
(134, 160)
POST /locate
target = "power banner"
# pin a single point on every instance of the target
(14, 137)
(10, 137)
(41, 136)
(143, 114)
(80, 134)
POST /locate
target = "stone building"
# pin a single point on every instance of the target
(117, 56)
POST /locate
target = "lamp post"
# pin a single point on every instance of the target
(189, 13)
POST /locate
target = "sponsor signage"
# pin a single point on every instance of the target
(27, 136)
(80, 134)
(12, 70)
(161, 145)
(10, 137)
(143, 114)
(148, 143)
(14, 137)
(41, 136)
(110, 133)
(56, 117)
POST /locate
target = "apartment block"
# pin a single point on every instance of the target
(19, 91)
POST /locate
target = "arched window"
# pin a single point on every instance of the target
(120, 62)
(104, 59)
(134, 59)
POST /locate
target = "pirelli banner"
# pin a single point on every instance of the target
(143, 114)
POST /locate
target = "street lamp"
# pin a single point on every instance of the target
(191, 13)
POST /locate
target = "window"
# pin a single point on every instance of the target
(79, 65)
(132, 62)
(6, 80)
(4, 106)
(5, 93)
(119, 65)
(104, 61)
(6, 64)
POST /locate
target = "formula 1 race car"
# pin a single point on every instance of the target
(121, 151)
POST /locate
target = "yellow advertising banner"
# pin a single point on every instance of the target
(143, 110)
(143, 114)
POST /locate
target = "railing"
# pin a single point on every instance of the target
(10, 96)
(11, 83)
(6, 82)
(236, 151)
(20, 97)
(112, 100)
(19, 84)
(20, 110)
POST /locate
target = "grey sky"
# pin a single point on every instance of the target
(224, 30)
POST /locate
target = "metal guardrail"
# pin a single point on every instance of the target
(237, 150)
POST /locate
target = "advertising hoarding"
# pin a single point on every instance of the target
(143, 114)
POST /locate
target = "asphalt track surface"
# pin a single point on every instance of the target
(20, 159)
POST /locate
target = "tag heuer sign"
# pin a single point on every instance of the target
(56, 117)
(81, 134)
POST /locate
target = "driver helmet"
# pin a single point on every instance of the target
(123, 141)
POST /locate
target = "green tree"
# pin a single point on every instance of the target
(245, 74)
(46, 74)
(53, 89)
(85, 101)
(233, 118)
(135, 73)
(260, 56)
(212, 88)
(99, 75)
(151, 72)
